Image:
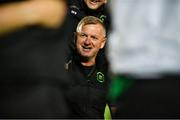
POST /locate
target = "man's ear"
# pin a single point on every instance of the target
(74, 37)
(103, 43)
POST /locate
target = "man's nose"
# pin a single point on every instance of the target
(87, 41)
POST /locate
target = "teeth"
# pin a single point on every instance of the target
(86, 50)
(86, 47)
(95, 1)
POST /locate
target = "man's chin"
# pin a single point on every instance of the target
(86, 54)
(93, 7)
(84, 58)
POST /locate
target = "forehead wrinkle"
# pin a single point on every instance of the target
(101, 29)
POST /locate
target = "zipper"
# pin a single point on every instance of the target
(88, 87)
(88, 95)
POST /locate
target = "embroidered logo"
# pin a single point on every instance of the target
(102, 18)
(100, 77)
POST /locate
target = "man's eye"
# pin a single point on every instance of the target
(94, 37)
(83, 35)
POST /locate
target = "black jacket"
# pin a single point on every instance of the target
(32, 73)
(87, 90)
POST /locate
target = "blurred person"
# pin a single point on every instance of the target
(86, 94)
(19, 14)
(78, 9)
(147, 98)
(143, 46)
(32, 49)
(145, 38)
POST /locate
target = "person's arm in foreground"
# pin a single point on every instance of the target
(47, 13)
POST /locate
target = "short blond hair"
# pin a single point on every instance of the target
(90, 20)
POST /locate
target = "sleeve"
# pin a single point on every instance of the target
(75, 9)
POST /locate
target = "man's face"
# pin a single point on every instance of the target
(95, 4)
(90, 40)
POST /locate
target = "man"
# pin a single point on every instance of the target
(32, 43)
(87, 93)
(78, 9)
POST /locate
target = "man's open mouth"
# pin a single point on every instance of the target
(95, 1)
(86, 49)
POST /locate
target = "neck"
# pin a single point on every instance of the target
(88, 62)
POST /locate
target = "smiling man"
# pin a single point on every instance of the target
(86, 95)
(91, 37)
(79, 9)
